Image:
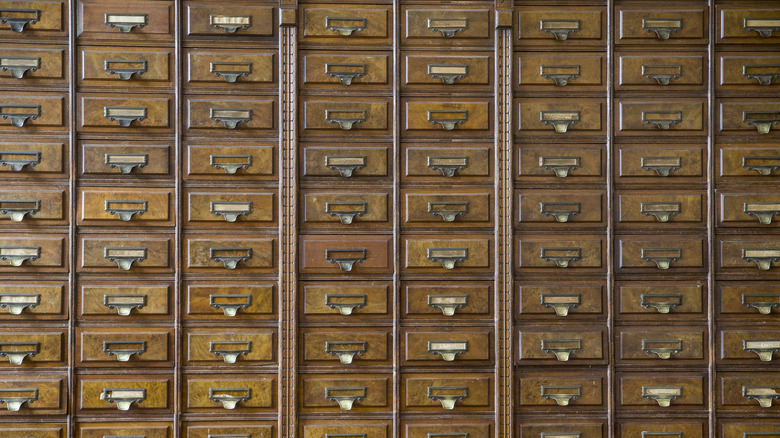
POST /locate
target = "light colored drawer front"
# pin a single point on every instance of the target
(454, 116)
(628, 428)
(461, 300)
(583, 428)
(124, 159)
(560, 300)
(230, 300)
(147, 429)
(346, 115)
(49, 18)
(443, 392)
(572, 26)
(22, 159)
(234, 348)
(575, 71)
(26, 349)
(456, 347)
(352, 300)
(322, 429)
(446, 165)
(346, 25)
(33, 300)
(28, 66)
(250, 429)
(557, 347)
(230, 115)
(31, 113)
(469, 253)
(133, 20)
(224, 254)
(231, 21)
(353, 393)
(119, 207)
(658, 299)
(575, 253)
(33, 430)
(660, 254)
(444, 26)
(231, 209)
(33, 205)
(345, 348)
(40, 394)
(113, 393)
(549, 391)
(421, 428)
(662, 25)
(118, 301)
(125, 67)
(640, 392)
(447, 209)
(123, 347)
(559, 118)
(346, 164)
(229, 68)
(551, 163)
(112, 253)
(33, 253)
(239, 393)
(235, 161)
(349, 209)
(433, 69)
(121, 114)
(336, 72)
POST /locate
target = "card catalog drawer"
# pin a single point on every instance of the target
(146, 429)
(114, 394)
(468, 164)
(562, 429)
(668, 427)
(586, 391)
(122, 67)
(123, 347)
(656, 392)
(340, 209)
(232, 348)
(29, 349)
(120, 207)
(548, 163)
(752, 72)
(648, 207)
(230, 21)
(236, 300)
(678, 253)
(660, 118)
(442, 26)
(355, 393)
(129, 21)
(41, 205)
(576, 71)
(447, 209)
(247, 161)
(34, 18)
(748, 209)
(575, 345)
(749, 255)
(33, 430)
(749, 300)
(472, 69)
(40, 394)
(38, 159)
(345, 348)
(748, 24)
(33, 253)
(443, 392)
(28, 113)
(458, 254)
(563, 300)
(353, 301)
(357, 254)
(662, 25)
(543, 208)
(754, 392)
(578, 253)
(125, 158)
(345, 24)
(249, 429)
(655, 163)
(457, 347)
(118, 302)
(748, 428)
(654, 300)
(334, 72)
(350, 114)
(222, 254)
(128, 113)
(243, 116)
(455, 427)
(666, 347)
(466, 115)
(683, 71)
(551, 26)
(33, 301)
(117, 253)
(33, 66)
(334, 428)
(240, 393)
(760, 162)
(353, 160)
(462, 300)
(229, 69)
(749, 347)
(239, 207)
(755, 117)
(551, 117)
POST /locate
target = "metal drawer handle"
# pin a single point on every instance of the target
(663, 74)
(18, 160)
(765, 166)
(124, 115)
(345, 73)
(762, 302)
(662, 119)
(764, 74)
(762, 120)
(17, 255)
(448, 119)
(125, 257)
(448, 210)
(663, 27)
(230, 303)
(764, 26)
(448, 165)
(662, 348)
(20, 114)
(448, 395)
(346, 26)
(126, 22)
(346, 258)
(762, 394)
(662, 166)
(16, 303)
(125, 69)
(563, 395)
(17, 351)
(448, 257)
(662, 211)
(346, 119)
(660, 302)
(560, 120)
(18, 66)
(16, 398)
(230, 23)
(345, 350)
(346, 211)
(230, 210)
(448, 349)
(230, 257)
(560, 165)
(230, 350)
(124, 350)
(125, 209)
(17, 19)
(230, 397)
(560, 28)
(230, 71)
(345, 165)
(345, 396)
(561, 303)
(230, 117)
(560, 74)
(448, 304)
(764, 211)
(125, 303)
(448, 26)
(663, 395)
(761, 256)
(562, 348)
(123, 397)
(126, 162)
(662, 257)
(230, 163)
(17, 209)
(345, 303)
(448, 73)
(561, 211)
(764, 348)
(563, 257)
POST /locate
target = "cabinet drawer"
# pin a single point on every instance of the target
(654, 392)
(25, 205)
(134, 20)
(659, 164)
(118, 301)
(423, 71)
(664, 252)
(553, 117)
(233, 348)
(125, 67)
(41, 160)
(351, 114)
(353, 392)
(123, 347)
(456, 347)
(749, 24)
(576, 71)
(562, 428)
(119, 393)
(551, 26)
(760, 162)
(578, 253)
(453, 427)
(652, 300)
(436, 392)
(242, 116)
(229, 69)
(116, 253)
(354, 160)
(685, 70)
(119, 207)
(350, 300)
(460, 300)
(576, 345)
(748, 209)
(28, 349)
(28, 113)
(749, 255)
(230, 209)
(466, 115)
(748, 392)
(334, 72)
(549, 208)
(29, 67)
(549, 391)
(437, 26)
(755, 117)
(125, 159)
(748, 428)
(345, 24)
(33, 430)
(629, 428)
(235, 300)
(461, 254)
(32, 301)
(548, 163)
(565, 300)
(146, 429)
(662, 25)
(661, 118)
(651, 208)
(358, 254)
(748, 300)
(129, 113)
(239, 393)
(231, 21)
(345, 209)
(662, 347)
(39, 394)
(749, 347)
(48, 16)
(753, 72)
(217, 162)
(249, 429)
(447, 209)
(33, 253)
(222, 254)
(353, 346)
(333, 428)
(468, 164)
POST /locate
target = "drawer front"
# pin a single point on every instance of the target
(432, 69)
(147, 429)
(448, 165)
(581, 428)
(653, 72)
(659, 164)
(438, 392)
(221, 255)
(564, 300)
(576, 26)
(748, 24)
(345, 209)
(28, 66)
(123, 114)
(136, 20)
(33, 205)
(120, 347)
(27, 349)
(749, 255)
(348, 115)
(457, 347)
(247, 116)
(437, 26)
(749, 347)
(748, 392)
(754, 118)
(28, 301)
(335, 72)
(662, 25)
(115, 253)
(234, 348)
(239, 393)
(230, 21)
(582, 346)
(355, 393)
(737, 72)
(232, 300)
(32, 113)
(49, 16)
(749, 428)
(119, 207)
(33, 430)
(229, 68)
(578, 163)
(39, 395)
(447, 209)
(119, 302)
(345, 348)
(576, 71)
(748, 209)
(459, 301)
(647, 392)
(345, 24)
(25, 159)
(555, 208)
(459, 254)
(748, 161)
(662, 347)
(629, 428)
(670, 252)
(472, 116)
(577, 253)
(323, 429)
(656, 300)
(125, 67)
(661, 118)
(575, 116)
(453, 427)
(649, 207)
(33, 253)
(355, 163)
(249, 161)
(241, 207)
(351, 300)
(551, 391)
(746, 300)
(117, 394)
(359, 254)
(125, 159)
(250, 429)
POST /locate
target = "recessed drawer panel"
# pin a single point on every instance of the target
(357, 254)
(754, 117)
(673, 427)
(457, 301)
(345, 348)
(464, 115)
(233, 348)
(661, 392)
(229, 69)
(323, 429)
(236, 394)
(662, 347)
(42, 160)
(561, 429)
(580, 345)
(467, 164)
(555, 208)
(749, 209)
(662, 25)
(552, 117)
(230, 209)
(446, 392)
(120, 395)
(548, 163)
(661, 118)
(125, 67)
(656, 299)
(350, 114)
(748, 392)
(32, 301)
(583, 71)
(354, 393)
(457, 347)
(246, 116)
(551, 391)
(749, 255)
(652, 208)
(437, 26)
(146, 429)
(35, 430)
(750, 24)
(447, 209)
(125, 114)
(422, 428)
(30, 113)
(230, 162)
(249, 429)
(40, 394)
(24, 206)
(124, 347)
(124, 302)
(760, 162)
(334, 72)
(659, 164)
(223, 254)
(118, 253)
(653, 72)
(234, 300)
(129, 21)
(749, 347)
(35, 18)
(560, 300)
(345, 209)
(33, 253)
(749, 300)
(119, 207)
(33, 66)
(743, 72)
(125, 159)
(28, 349)
(663, 253)
(574, 26)
(577, 253)
(351, 300)
(232, 21)
(345, 24)
(356, 162)
(748, 428)
(457, 254)
(447, 72)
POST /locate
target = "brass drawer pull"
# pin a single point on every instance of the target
(230, 397)
(765, 166)
(124, 115)
(345, 73)
(230, 23)
(345, 165)
(17, 209)
(448, 165)
(561, 303)
(764, 26)
(17, 19)
(663, 395)
(662, 119)
(762, 302)
(662, 211)
(17, 255)
(125, 257)
(448, 210)
(662, 166)
(126, 162)
(124, 304)
(345, 396)
(125, 209)
(448, 395)
(448, 304)
(562, 348)
(126, 22)
(562, 394)
(663, 303)
(123, 397)
(448, 257)
(764, 348)
(762, 120)
(764, 211)
(560, 165)
(762, 394)
(230, 303)
(17, 397)
(448, 119)
(18, 66)
(345, 350)
(345, 258)
(761, 256)
(346, 211)
(230, 350)
(448, 26)
(124, 350)
(448, 349)
(448, 73)
(16, 303)
(561, 211)
(560, 28)
(230, 163)
(662, 257)
(560, 74)
(230, 257)
(17, 351)
(230, 117)
(663, 74)
(560, 120)
(663, 27)
(345, 303)
(20, 114)
(764, 74)
(230, 71)
(125, 69)
(563, 257)
(662, 348)
(230, 210)
(18, 160)
(345, 26)
(346, 119)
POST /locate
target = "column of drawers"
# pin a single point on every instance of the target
(747, 157)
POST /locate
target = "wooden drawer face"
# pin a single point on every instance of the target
(576, 346)
(335, 72)
(116, 253)
(583, 71)
(350, 300)
(749, 299)
(447, 165)
(250, 429)
(49, 16)
(660, 118)
(324, 428)
(577, 253)
(749, 428)
(24, 205)
(249, 161)
(125, 67)
(345, 24)
(449, 300)
(653, 72)
(135, 20)
(581, 428)
(651, 208)
(35, 300)
(355, 393)
(233, 348)
(33, 253)
(358, 255)
(27, 349)
(239, 206)
(749, 24)
(437, 392)
(748, 392)
(32, 113)
(119, 207)
(659, 164)
(564, 300)
(124, 159)
(230, 21)
(656, 300)
(39, 395)
(559, 207)
(42, 160)
(662, 25)
(679, 346)
(147, 429)
(749, 347)
(737, 72)
(760, 162)
(456, 347)
(754, 118)
(28, 66)
(445, 26)
(229, 68)
(235, 300)
(551, 391)
(353, 347)
(749, 255)
(33, 430)
(629, 428)
(425, 115)
(222, 254)
(671, 252)
(577, 25)
(445, 72)
(239, 393)
(123, 114)
(421, 428)
(205, 115)
(576, 116)
(748, 209)
(678, 391)
(458, 254)
(119, 302)
(364, 160)
(116, 394)
(347, 115)
(345, 209)
(123, 347)
(577, 163)
(449, 209)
